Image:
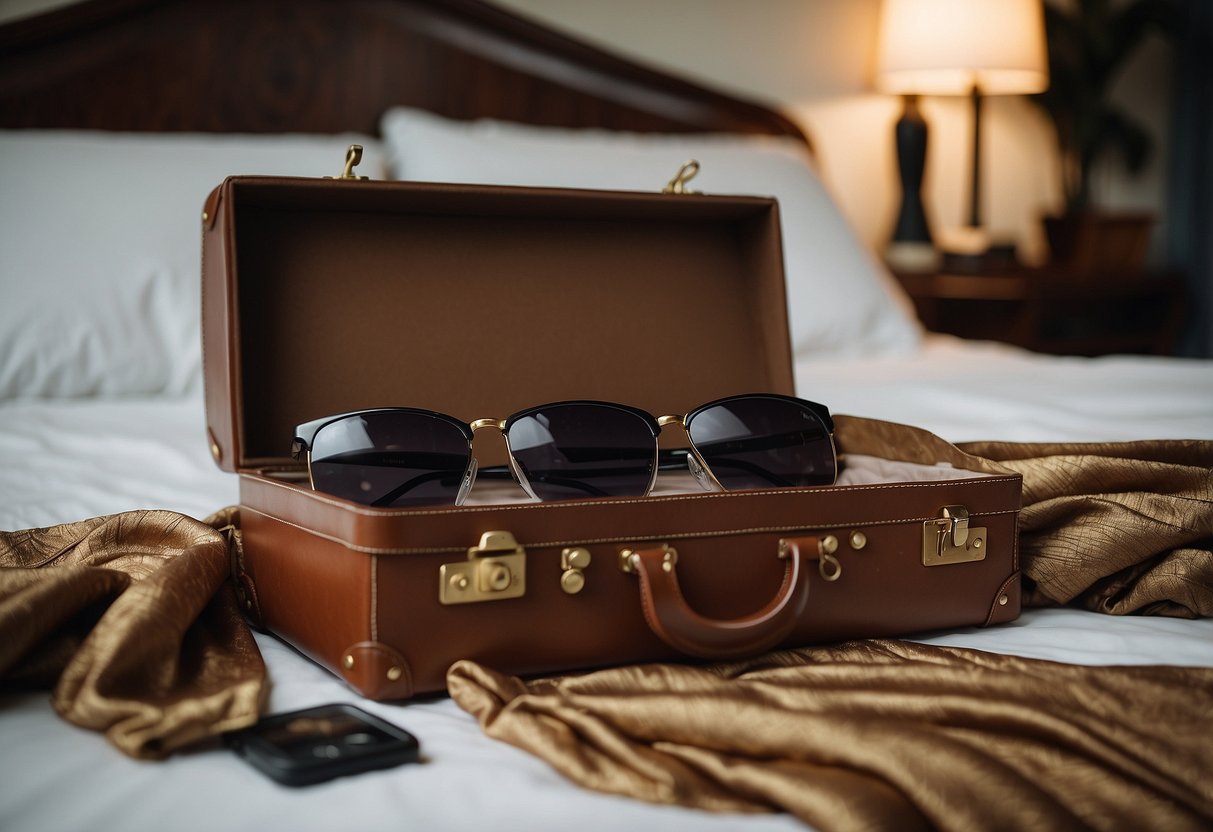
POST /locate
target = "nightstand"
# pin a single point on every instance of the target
(1047, 310)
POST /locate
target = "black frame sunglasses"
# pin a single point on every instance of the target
(402, 456)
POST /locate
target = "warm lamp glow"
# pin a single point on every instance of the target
(947, 47)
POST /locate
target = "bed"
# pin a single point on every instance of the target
(117, 116)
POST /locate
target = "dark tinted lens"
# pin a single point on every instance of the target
(390, 458)
(583, 450)
(760, 442)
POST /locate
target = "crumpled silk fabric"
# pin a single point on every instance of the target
(1123, 527)
(876, 735)
(131, 620)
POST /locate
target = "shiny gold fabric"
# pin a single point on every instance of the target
(1119, 528)
(130, 619)
(877, 735)
(890, 735)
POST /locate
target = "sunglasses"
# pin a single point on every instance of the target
(399, 456)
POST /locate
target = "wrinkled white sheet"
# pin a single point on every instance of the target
(66, 460)
(968, 390)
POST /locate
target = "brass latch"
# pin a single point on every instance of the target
(494, 570)
(950, 539)
(353, 156)
(678, 185)
(573, 562)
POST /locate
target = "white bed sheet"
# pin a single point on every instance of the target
(66, 460)
(973, 390)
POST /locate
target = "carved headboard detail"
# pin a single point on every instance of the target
(321, 66)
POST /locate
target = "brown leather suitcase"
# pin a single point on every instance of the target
(323, 296)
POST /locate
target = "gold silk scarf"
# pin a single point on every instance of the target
(131, 620)
(1123, 527)
(876, 735)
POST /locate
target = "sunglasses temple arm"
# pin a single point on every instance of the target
(408, 485)
(756, 470)
(671, 459)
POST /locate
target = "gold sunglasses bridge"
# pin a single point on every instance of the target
(662, 421)
(487, 423)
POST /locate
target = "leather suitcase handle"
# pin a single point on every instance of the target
(673, 621)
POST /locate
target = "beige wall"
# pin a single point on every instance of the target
(813, 59)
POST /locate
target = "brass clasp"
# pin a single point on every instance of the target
(678, 185)
(950, 539)
(573, 562)
(353, 156)
(494, 570)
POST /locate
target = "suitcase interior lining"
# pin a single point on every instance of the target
(346, 301)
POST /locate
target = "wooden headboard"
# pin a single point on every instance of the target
(323, 66)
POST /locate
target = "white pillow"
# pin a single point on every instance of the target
(100, 237)
(841, 300)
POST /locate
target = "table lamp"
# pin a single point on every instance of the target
(952, 47)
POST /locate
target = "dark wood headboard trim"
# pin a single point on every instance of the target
(323, 66)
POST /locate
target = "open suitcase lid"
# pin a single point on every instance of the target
(323, 296)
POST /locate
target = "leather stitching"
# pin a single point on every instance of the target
(437, 550)
(674, 498)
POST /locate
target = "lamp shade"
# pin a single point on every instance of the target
(948, 47)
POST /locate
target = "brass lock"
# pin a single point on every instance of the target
(950, 539)
(494, 571)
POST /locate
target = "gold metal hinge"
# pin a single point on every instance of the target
(353, 156)
(494, 570)
(678, 185)
(950, 539)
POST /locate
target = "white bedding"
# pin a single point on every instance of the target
(971, 390)
(128, 432)
(69, 459)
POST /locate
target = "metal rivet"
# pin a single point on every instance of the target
(205, 216)
(576, 558)
(216, 450)
(572, 581)
(977, 542)
(858, 540)
(498, 578)
(629, 561)
(1002, 600)
(394, 672)
(829, 544)
(458, 582)
(348, 661)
